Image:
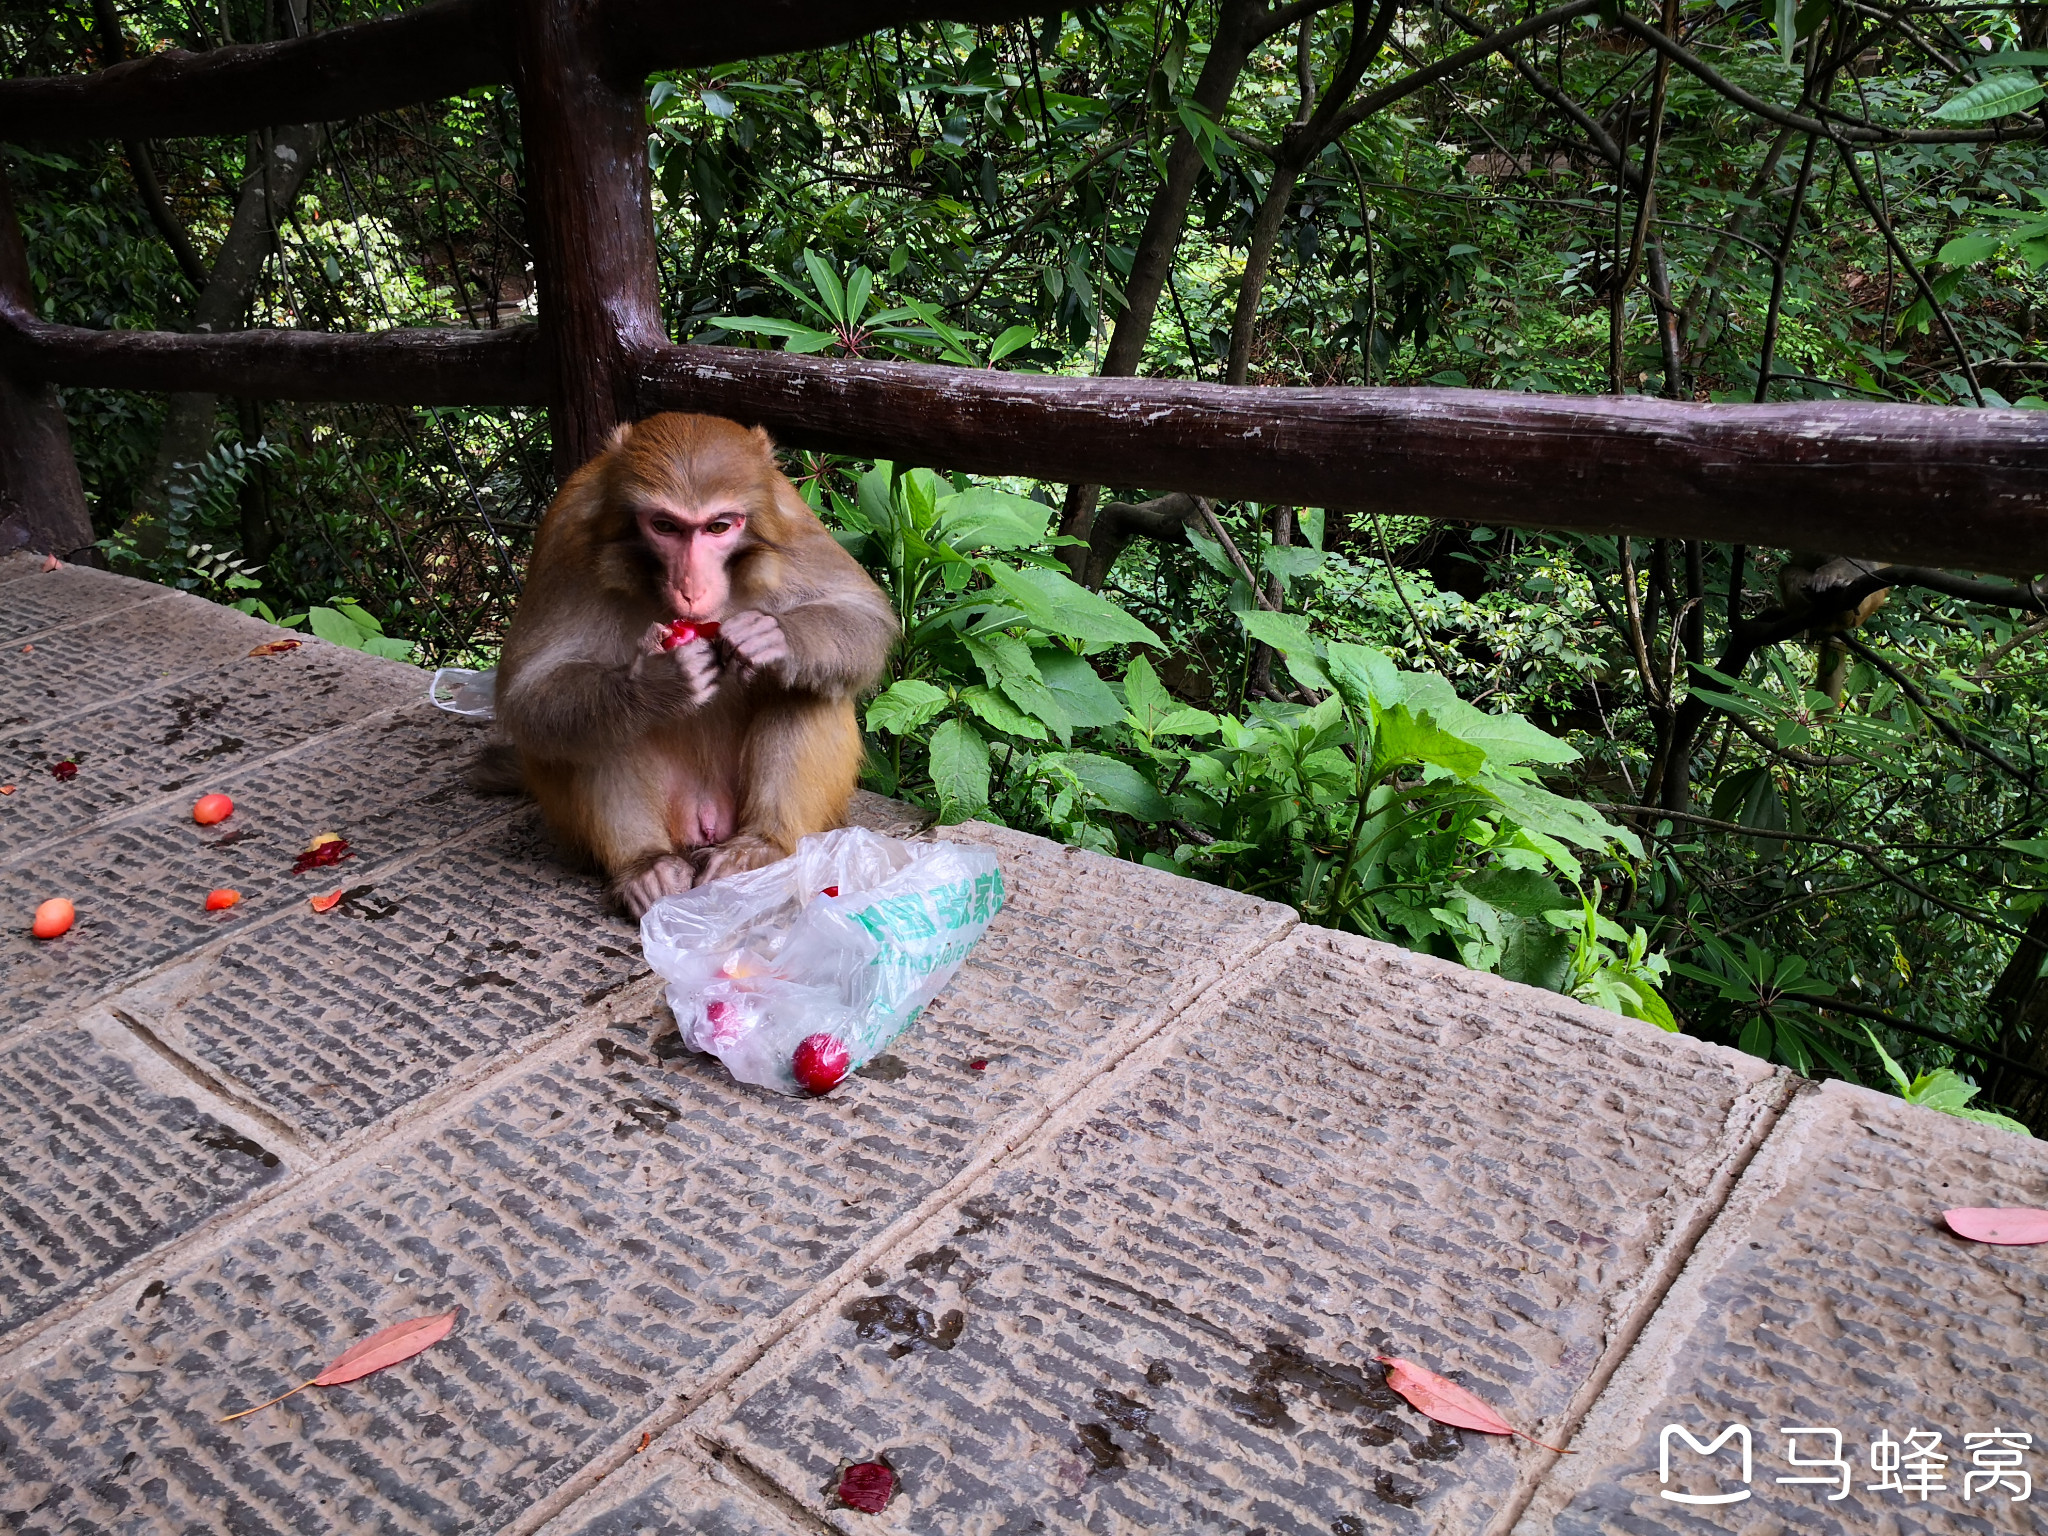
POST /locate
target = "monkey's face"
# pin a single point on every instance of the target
(693, 550)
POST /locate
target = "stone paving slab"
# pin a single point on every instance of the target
(1829, 1295)
(44, 600)
(182, 736)
(620, 1224)
(53, 674)
(390, 785)
(1168, 1321)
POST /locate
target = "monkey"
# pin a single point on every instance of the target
(1812, 581)
(670, 765)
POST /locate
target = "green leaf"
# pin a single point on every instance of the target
(1505, 739)
(1061, 606)
(1145, 696)
(1288, 634)
(986, 518)
(388, 645)
(1188, 722)
(905, 706)
(1007, 663)
(796, 338)
(2031, 59)
(1403, 738)
(1001, 713)
(1994, 96)
(1367, 680)
(1116, 784)
(1965, 249)
(336, 628)
(1082, 693)
(959, 770)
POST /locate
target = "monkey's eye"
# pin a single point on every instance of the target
(723, 525)
(663, 525)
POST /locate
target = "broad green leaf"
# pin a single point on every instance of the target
(1994, 96)
(826, 281)
(905, 706)
(1187, 722)
(1145, 696)
(1116, 784)
(986, 518)
(1505, 739)
(1523, 892)
(960, 770)
(1402, 738)
(1368, 681)
(796, 338)
(1082, 693)
(1007, 663)
(1288, 634)
(388, 645)
(335, 628)
(1538, 810)
(1965, 249)
(1001, 713)
(1291, 562)
(1061, 606)
(2031, 59)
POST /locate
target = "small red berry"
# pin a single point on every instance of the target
(683, 631)
(978, 1066)
(819, 1063)
(830, 890)
(866, 1486)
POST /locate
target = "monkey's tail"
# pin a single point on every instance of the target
(496, 770)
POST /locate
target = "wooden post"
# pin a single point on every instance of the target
(591, 222)
(40, 493)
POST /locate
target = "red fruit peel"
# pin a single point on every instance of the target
(221, 900)
(867, 1485)
(819, 1063)
(64, 772)
(324, 903)
(54, 917)
(210, 809)
(683, 631)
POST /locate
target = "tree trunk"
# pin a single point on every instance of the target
(1165, 220)
(2019, 1001)
(192, 421)
(42, 503)
(593, 224)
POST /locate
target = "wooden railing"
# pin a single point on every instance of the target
(1935, 486)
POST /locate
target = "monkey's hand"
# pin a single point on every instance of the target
(692, 664)
(758, 642)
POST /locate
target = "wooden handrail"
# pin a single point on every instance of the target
(436, 50)
(1926, 485)
(452, 366)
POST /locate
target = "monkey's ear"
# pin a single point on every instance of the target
(760, 435)
(618, 438)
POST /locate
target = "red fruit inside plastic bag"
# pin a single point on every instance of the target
(819, 1063)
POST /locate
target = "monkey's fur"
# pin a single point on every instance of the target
(666, 777)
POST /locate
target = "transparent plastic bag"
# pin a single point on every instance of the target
(759, 963)
(459, 691)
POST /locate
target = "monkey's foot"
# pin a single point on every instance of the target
(668, 875)
(736, 855)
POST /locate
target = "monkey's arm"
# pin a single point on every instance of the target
(836, 645)
(575, 707)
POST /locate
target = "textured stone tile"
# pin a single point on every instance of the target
(98, 1166)
(390, 786)
(122, 653)
(48, 599)
(186, 733)
(19, 564)
(1166, 1320)
(617, 1224)
(1829, 1295)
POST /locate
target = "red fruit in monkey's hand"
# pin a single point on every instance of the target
(820, 1062)
(683, 631)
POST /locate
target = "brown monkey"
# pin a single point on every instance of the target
(672, 767)
(1814, 582)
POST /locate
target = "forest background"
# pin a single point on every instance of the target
(1745, 792)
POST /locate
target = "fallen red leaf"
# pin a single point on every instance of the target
(866, 1486)
(646, 1437)
(324, 903)
(387, 1346)
(6, 789)
(51, 563)
(2012, 1226)
(1442, 1399)
(64, 772)
(276, 647)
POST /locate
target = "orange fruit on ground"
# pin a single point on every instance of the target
(221, 900)
(324, 903)
(53, 917)
(208, 809)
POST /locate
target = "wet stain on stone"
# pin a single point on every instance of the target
(981, 1213)
(669, 1047)
(1389, 1489)
(222, 1138)
(645, 1114)
(1158, 1373)
(1263, 1405)
(485, 979)
(610, 1050)
(1134, 1418)
(884, 1069)
(880, 1317)
(151, 1291)
(222, 748)
(1098, 1444)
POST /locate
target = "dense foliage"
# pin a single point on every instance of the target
(1662, 777)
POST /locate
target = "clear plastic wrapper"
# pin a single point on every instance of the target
(849, 937)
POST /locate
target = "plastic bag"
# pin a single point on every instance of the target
(849, 937)
(459, 691)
